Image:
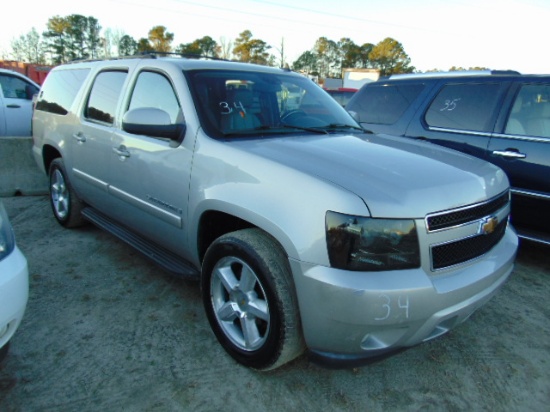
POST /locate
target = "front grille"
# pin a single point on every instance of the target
(443, 220)
(453, 253)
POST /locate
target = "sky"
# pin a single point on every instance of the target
(435, 34)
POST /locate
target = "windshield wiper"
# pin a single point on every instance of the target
(339, 126)
(254, 131)
(312, 129)
(306, 129)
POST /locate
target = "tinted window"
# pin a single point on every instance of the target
(464, 107)
(14, 87)
(155, 90)
(384, 104)
(246, 103)
(60, 90)
(104, 96)
(341, 96)
(530, 114)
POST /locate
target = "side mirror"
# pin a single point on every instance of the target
(153, 122)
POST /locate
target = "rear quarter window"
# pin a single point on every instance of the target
(468, 106)
(384, 104)
(60, 89)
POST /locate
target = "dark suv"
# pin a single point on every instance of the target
(502, 117)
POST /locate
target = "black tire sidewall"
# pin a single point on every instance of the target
(4, 351)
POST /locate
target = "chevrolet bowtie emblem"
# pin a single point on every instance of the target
(488, 225)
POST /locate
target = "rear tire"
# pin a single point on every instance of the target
(65, 204)
(250, 301)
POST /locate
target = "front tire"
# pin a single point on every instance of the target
(249, 298)
(65, 204)
(4, 351)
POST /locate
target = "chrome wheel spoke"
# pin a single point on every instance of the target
(248, 280)
(258, 308)
(59, 195)
(227, 277)
(251, 334)
(241, 313)
(227, 312)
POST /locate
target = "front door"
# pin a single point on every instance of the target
(522, 150)
(16, 99)
(150, 175)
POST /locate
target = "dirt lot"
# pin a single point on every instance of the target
(105, 329)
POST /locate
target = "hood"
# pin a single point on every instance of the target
(395, 176)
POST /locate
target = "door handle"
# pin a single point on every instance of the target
(13, 106)
(121, 152)
(510, 154)
(79, 137)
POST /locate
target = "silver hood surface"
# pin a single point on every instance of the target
(395, 177)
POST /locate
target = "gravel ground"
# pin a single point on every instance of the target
(107, 330)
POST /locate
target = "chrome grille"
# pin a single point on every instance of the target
(444, 220)
(453, 253)
(477, 244)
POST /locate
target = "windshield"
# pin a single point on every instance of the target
(246, 104)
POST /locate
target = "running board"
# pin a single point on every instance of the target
(168, 260)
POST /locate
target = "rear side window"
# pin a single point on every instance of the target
(384, 104)
(468, 106)
(60, 89)
(104, 96)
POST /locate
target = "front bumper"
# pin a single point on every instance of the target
(14, 293)
(350, 316)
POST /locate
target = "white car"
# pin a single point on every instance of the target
(14, 283)
(16, 103)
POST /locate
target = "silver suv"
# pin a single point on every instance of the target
(304, 230)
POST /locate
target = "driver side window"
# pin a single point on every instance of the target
(155, 90)
(16, 88)
(530, 113)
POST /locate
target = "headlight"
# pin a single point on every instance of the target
(7, 240)
(367, 244)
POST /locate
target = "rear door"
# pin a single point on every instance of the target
(461, 115)
(90, 140)
(521, 147)
(387, 107)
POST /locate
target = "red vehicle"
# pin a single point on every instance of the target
(342, 95)
(35, 72)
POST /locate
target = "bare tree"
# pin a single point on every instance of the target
(225, 48)
(282, 57)
(29, 48)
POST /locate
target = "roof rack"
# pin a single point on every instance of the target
(460, 73)
(150, 54)
(153, 54)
